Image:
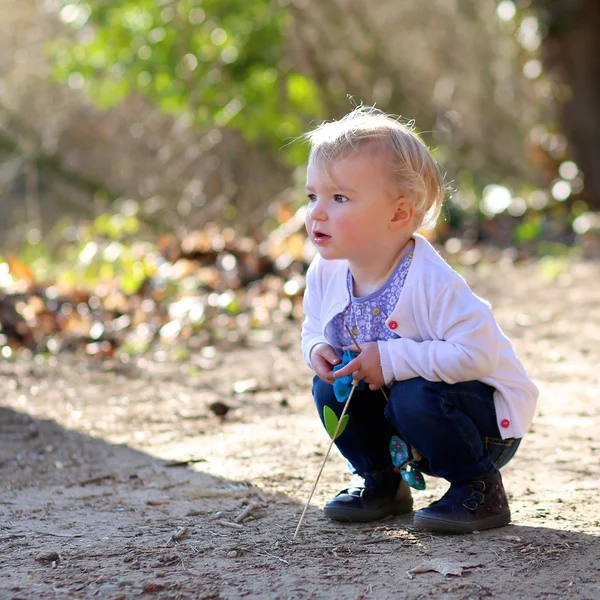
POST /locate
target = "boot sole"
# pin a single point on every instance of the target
(348, 515)
(447, 526)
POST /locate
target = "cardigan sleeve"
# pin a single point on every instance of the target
(464, 344)
(312, 330)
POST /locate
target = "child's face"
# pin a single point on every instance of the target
(352, 202)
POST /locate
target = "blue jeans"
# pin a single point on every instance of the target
(453, 427)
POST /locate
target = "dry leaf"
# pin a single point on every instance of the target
(443, 566)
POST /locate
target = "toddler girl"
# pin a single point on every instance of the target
(444, 393)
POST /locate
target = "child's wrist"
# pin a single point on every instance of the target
(385, 362)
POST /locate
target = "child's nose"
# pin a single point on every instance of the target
(318, 212)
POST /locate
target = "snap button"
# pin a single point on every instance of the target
(393, 325)
(505, 423)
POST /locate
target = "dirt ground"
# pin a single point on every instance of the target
(94, 504)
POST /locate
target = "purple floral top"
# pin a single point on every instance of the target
(366, 316)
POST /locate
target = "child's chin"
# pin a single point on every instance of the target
(328, 254)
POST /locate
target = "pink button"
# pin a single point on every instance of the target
(505, 423)
(393, 325)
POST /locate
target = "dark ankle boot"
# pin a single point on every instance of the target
(376, 497)
(467, 506)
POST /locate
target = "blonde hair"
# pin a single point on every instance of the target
(415, 169)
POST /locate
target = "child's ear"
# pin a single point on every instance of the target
(404, 213)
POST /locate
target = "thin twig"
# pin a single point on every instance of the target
(354, 384)
(277, 557)
(12, 536)
(353, 338)
(230, 524)
(58, 534)
(252, 506)
(98, 479)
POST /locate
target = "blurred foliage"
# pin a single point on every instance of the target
(228, 63)
(218, 61)
(102, 290)
(108, 293)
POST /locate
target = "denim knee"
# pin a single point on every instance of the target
(408, 402)
(446, 423)
(413, 402)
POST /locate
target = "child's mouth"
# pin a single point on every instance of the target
(320, 238)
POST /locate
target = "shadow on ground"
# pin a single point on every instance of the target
(83, 518)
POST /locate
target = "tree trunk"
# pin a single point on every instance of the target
(572, 49)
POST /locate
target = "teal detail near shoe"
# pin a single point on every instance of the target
(401, 461)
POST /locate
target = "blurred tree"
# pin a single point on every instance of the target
(61, 157)
(267, 67)
(218, 61)
(572, 54)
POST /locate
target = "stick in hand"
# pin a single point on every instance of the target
(333, 437)
(335, 433)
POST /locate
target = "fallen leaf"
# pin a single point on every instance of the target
(443, 566)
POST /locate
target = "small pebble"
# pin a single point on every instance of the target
(232, 554)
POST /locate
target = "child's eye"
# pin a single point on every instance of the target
(340, 198)
(311, 197)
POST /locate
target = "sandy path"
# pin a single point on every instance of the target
(90, 508)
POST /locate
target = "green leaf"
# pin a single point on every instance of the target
(343, 425)
(331, 422)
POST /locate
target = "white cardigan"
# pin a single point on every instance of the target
(446, 333)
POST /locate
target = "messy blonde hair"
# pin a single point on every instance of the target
(415, 169)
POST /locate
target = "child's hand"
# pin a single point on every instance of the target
(323, 358)
(365, 366)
